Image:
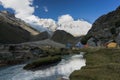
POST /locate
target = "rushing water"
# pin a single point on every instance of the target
(63, 69)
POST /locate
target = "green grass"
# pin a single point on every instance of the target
(42, 62)
(101, 64)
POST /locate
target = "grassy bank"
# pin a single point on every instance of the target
(101, 64)
(42, 62)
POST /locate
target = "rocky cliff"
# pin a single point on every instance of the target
(104, 29)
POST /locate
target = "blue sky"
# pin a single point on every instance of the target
(88, 10)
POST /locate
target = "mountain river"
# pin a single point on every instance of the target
(61, 70)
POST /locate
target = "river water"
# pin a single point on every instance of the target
(63, 69)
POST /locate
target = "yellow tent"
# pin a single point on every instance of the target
(112, 45)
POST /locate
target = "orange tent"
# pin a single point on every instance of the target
(112, 45)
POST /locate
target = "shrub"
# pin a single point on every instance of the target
(85, 38)
(117, 24)
(113, 31)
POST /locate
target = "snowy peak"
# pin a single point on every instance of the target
(68, 24)
(76, 28)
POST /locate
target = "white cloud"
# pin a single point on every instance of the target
(22, 8)
(24, 11)
(45, 9)
(65, 18)
(75, 27)
(0, 3)
(48, 23)
(36, 6)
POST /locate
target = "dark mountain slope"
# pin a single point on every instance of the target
(105, 28)
(41, 36)
(14, 30)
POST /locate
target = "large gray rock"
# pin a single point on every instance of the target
(91, 42)
(118, 39)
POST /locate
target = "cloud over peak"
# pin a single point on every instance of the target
(75, 27)
(48, 23)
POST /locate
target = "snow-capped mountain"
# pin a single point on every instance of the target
(68, 24)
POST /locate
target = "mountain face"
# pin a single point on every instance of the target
(14, 30)
(41, 36)
(104, 29)
(63, 37)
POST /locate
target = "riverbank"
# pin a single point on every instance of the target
(101, 64)
(20, 54)
(17, 54)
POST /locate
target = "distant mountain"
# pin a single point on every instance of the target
(63, 37)
(105, 29)
(14, 30)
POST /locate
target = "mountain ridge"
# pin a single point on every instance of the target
(14, 30)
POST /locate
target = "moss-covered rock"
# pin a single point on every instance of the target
(42, 63)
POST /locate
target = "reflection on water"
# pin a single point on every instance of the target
(63, 69)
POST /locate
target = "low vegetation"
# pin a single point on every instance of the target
(101, 64)
(43, 62)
